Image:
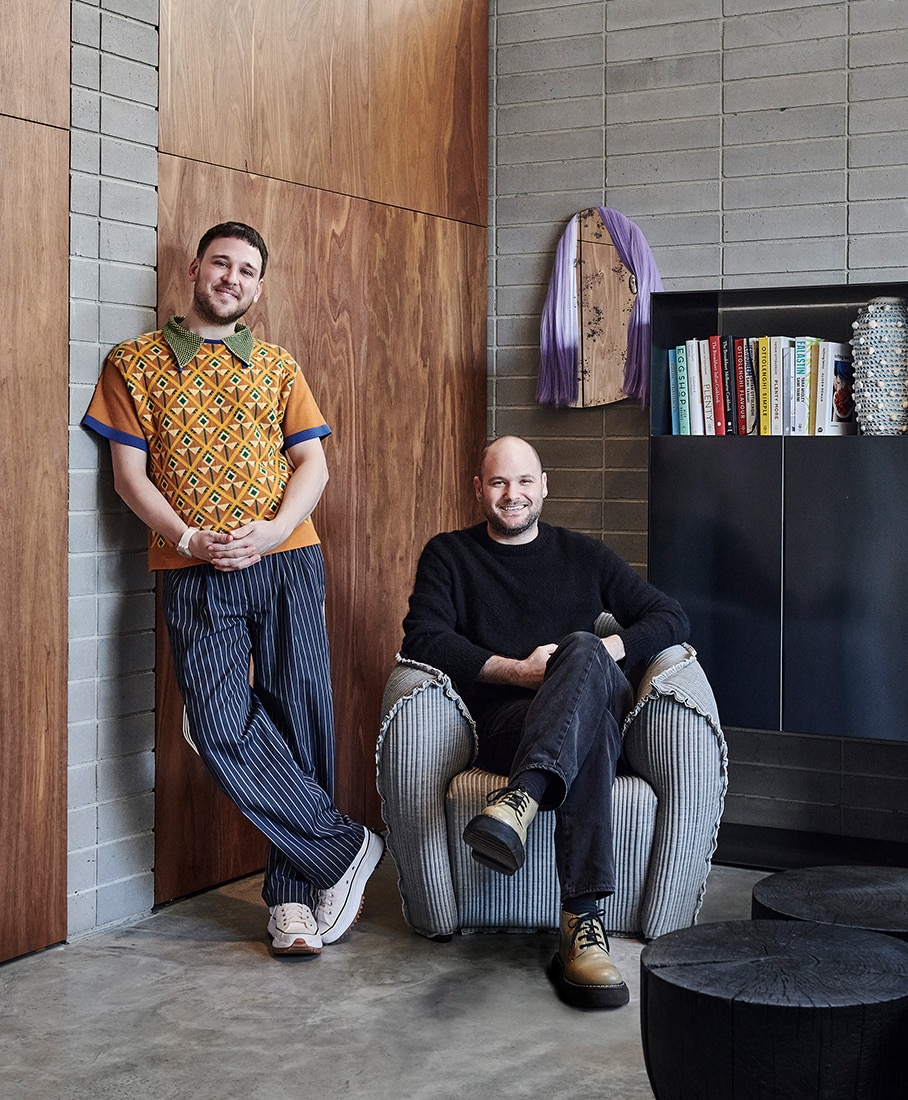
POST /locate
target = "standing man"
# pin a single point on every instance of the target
(216, 445)
(506, 609)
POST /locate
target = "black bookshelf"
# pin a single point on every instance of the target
(789, 553)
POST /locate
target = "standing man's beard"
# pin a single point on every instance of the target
(205, 310)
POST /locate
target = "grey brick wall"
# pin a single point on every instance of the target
(549, 129)
(113, 246)
(755, 142)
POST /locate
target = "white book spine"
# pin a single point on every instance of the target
(706, 383)
(694, 387)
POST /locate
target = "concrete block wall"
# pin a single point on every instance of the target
(113, 247)
(755, 142)
(547, 160)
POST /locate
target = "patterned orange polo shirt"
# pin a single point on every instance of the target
(215, 419)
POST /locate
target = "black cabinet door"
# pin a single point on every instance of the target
(846, 587)
(715, 541)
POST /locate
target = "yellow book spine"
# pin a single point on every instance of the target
(763, 384)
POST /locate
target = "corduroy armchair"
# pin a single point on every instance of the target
(666, 806)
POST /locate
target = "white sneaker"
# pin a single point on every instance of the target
(293, 930)
(340, 905)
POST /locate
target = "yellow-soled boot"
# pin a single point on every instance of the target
(582, 969)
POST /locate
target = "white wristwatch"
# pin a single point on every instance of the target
(183, 544)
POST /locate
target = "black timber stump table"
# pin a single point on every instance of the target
(775, 1010)
(873, 898)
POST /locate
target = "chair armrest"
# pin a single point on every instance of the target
(673, 739)
(427, 736)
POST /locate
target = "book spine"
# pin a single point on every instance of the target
(823, 388)
(715, 367)
(706, 388)
(673, 392)
(729, 388)
(751, 401)
(683, 394)
(763, 385)
(740, 387)
(776, 383)
(694, 389)
(813, 371)
(801, 385)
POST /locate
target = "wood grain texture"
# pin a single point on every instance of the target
(385, 311)
(774, 1010)
(378, 99)
(428, 125)
(34, 67)
(33, 597)
(872, 898)
(606, 296)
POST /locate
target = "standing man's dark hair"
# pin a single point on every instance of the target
(216, 445)
(237, 231)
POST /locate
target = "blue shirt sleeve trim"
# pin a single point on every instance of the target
(111, 433)
(310, 433)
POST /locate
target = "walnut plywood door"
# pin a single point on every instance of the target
(34, 184)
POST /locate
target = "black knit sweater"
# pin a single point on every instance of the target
(475, 598)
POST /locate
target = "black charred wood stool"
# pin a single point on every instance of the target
(775, 1010)
(873, 898)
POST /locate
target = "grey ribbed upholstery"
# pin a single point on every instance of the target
(673, 739)
(529, 900)
(426, 738)
(665, 815)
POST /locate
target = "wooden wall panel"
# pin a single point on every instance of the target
(34, 323)
(200, 836)
(283, 94)
(421, 421)
(378, 99)
(385, 311)
(34, 67)
(428, 82)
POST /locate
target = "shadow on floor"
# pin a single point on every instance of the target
(188, 1004)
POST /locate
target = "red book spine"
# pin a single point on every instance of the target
(715, 370)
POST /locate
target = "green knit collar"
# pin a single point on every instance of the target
(185, 344)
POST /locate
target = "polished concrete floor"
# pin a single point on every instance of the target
(188, 1004)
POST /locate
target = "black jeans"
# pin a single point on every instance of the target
(571, 729)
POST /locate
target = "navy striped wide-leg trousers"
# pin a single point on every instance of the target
(270, 746)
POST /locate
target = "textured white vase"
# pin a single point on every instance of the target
(880, 345)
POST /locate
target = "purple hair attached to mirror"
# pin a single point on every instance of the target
(559, 336)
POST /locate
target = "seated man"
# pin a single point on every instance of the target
(506, 608)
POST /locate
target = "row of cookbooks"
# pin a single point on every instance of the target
(761, 385)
